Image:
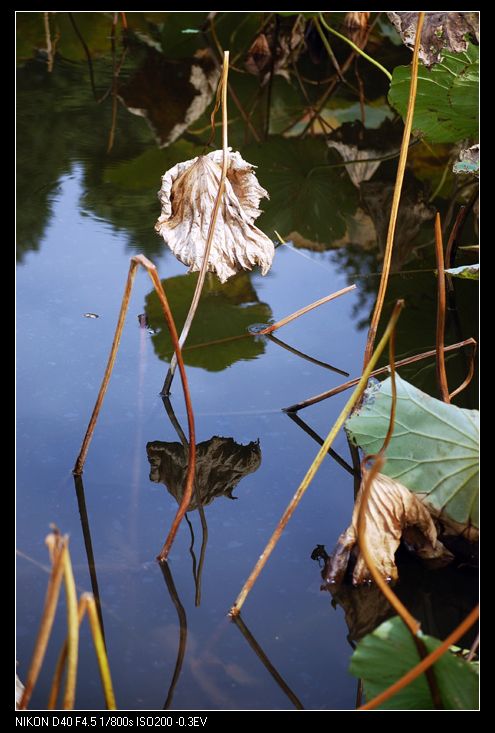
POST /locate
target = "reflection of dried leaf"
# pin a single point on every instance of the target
(188, 195)
(281, 46)
(393, 512)
(356, 27)
(439, 598)
(365, 607)
(440, 31)
(357, 171)
(413, 212)
(354, 142)
(258, 56)
(220, 464)
(171, 95)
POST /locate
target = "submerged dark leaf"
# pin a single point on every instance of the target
(220, 464)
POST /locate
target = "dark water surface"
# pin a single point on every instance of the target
(81, 214)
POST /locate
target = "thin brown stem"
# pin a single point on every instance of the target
(359, 694)
(469, 376)
(352, 382)
(48, 41)
(375, 320)
(266, 663)
(333, 84)
(243, 113)
(320, 119)
(204, 526)
(318, 439)
(307, 357)
(306, 309)
(424, 664)
(270, 80)
(441, 373)
(181, 615)
(211, 231)
(111, 136)
(204, 542)
(411, 623)
(151, 270)
(47, 619)
(328, 49)
(87, 53)
(79, 466)
(88, 544)
(310, 474)
(191, 466)
(452, 246)
(474, 649)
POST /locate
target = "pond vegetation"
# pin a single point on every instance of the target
(324, 182)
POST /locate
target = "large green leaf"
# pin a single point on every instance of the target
(384, 656)
(447, 99)
(307, 195)
(433, 450)
(224, 311)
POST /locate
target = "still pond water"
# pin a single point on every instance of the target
(82, 212)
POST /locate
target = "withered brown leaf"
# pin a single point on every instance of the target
(441, 30)
(188, 194)
(392, 513)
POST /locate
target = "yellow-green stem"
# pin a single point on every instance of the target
(316, 464)
(46, 624)
(211, 231)
(356, 48)
(387, 259)
(101, 653)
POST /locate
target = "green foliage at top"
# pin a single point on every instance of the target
(447, 99)
(384, 656)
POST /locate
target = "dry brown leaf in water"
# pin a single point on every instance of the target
(392, 513)
(187, 196)
(441, 30)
